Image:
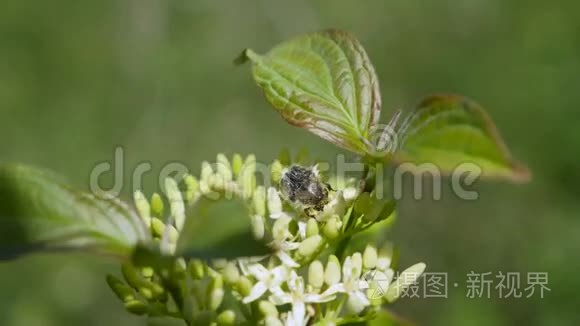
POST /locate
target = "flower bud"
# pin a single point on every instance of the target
(316, 274)
(136, 307)
(196, 269)
(122, 291)
(231, 273)
(356, 259)
(407, 278)
(192, 188)
(237, 163)
(274, 203)
(378, 286)
(267, 309)
(226, 318)
(206, 172)
(258, 226)
(175, 202)
(311, 227)
(247, 177)
(157, 205)
(280, 229)
(224, 168)
(244, 286)
(332, 227)
(310, 246)
(332, 271)
(259, 201)
(143, 207)
(157, 227)
(216, 293)
(272, 321)
(276, 171)
(370, 257)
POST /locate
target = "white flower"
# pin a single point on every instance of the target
(298, 298)
(352, 285)
(274, 203)
(282, 251)
(266, 280)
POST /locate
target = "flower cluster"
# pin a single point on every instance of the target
(313, 275)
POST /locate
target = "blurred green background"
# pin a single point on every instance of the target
(79, 77)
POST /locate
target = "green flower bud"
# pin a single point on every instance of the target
(385, 258)
(244, 286)
(192, 188)
(280, 229)
(274, 202)
(407, 278)
(231, 273)
(311, 227)
(224, 168)
(157, 205)
(259, 201)
(143, 207)
(272, 321)
(216, 294)
(332, 227)
(356, 259)
(276, 171)
(310, 246)
(362, 204)
(206, 172)
(258, 227)
(147, 272)
(157, 227)
(175, 202)
(247, 177)
(136, 307)
(237, 163)
(226, 318)
(173, 234)
(284, 157)
(316, 274)
(131, 276)
(122, 291)
(332, 271)
(196, 269)
(267, 309)
(370, 257)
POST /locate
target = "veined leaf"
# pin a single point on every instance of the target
(40, 213)
(448, 130)
(219, 229)
(323, 82)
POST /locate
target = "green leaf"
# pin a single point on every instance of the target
(38, 212)
(449, 130)
(219, 229)
(323, 82)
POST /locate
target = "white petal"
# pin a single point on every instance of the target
(279, 297)
(362, 297)
(280, 274)
(302, 229)
(257, 291)
(259, 272)
(317, 298)
(347, 269)
(336, 288)
(286, 259)
(298, 312)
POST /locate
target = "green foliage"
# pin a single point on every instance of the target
(41, 213)
(447, 130)
(323, 82)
